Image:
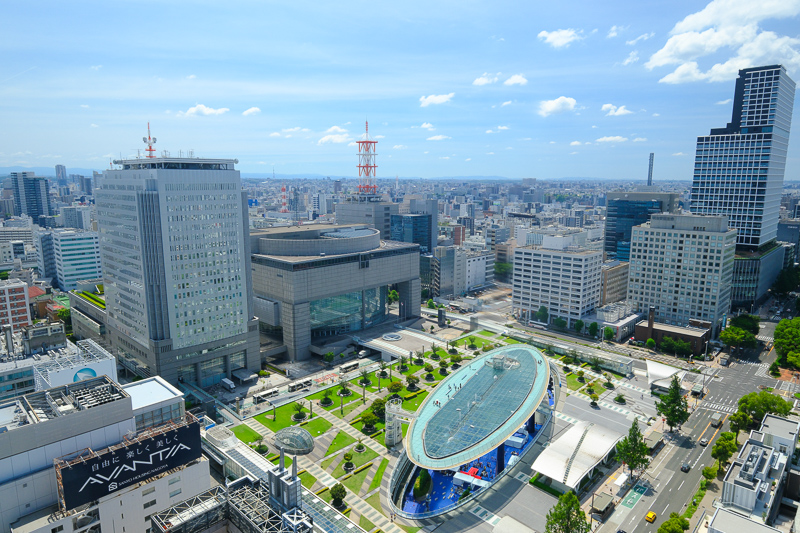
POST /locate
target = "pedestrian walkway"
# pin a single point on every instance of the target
(717, 407)
(353, 432)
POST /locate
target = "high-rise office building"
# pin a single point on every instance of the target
(174, 241)
(78, 217)
(77, 257)
(738, 169)
(738, 172)
(61, 175)
(682, 265)
(628, 209)
(414, 228)
(31, 194)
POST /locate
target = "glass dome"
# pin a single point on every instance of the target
(294, 440)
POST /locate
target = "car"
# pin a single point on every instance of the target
(703, 442)
(651, 517)
(685, 467)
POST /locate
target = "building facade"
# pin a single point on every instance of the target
(613, 281)
(77, 257)
(628, 209)
(175, 251)
(77, 217)
(565, 281)
(683, 266)
(31, 195)
(414, 228)
(363, 209)
(14, 304)
(480, 269)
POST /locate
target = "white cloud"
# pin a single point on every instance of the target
(85, 106)
(425, 101)
(399, 147)
(274, 134)
(640, 139)
(444, 157)
(724, 102)
(729, 27)
(439, 138)
(251, 111)
(425, 152)
(93, 126)
(678, 154)
(335, 138)
(656, 114)
(352, 144)
(614, 31)
(614, 111)
(332, 129)
(486, 79)
(502, 127)
(489, 131)
(642, 37)
(552, 142)
(516, 79)
(612, 139)
(575, 143)
(468, 159)
(632, 58)
(379, 137)
(428, 126)
(559, 105)
(489, 153)
(573, 153)
(191, 77)
(560, 38)
(505, 103)
(200, 109)
(96, 67)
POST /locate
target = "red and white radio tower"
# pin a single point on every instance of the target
(149, 142)
(366, 165)
(284, 208)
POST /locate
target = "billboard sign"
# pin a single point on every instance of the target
(95, 477)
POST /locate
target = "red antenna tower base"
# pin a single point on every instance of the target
(366, 164)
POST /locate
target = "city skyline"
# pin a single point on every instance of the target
(449, 91)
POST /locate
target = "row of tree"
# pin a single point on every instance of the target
(543, 315)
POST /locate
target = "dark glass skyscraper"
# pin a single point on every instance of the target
(738, 169)
(628, 209)
(413, 228)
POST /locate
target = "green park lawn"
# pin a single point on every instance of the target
(287, 461)
(375, 502)
(572, 382)
(414, 403)
(317, 426)
(307, 480)
(509, 340)
(245, 434)
(354, 482)
(365, 524)
(480, 342)
(376, 481)
(359, 459)
(341, 440)
(486, 333)
(355, 401)
(360, 425)
(283, 417)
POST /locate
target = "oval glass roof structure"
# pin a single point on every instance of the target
(294, 440)
(478, 407)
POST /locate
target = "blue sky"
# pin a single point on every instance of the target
(515, 89)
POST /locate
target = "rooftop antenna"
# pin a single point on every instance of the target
(149, 142)
(366, 164)
(650, 172)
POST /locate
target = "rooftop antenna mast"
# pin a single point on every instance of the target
(366, 164)
(650, 172)
(149, 142)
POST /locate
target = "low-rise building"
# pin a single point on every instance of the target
(697, 334)
(480, 269)
(613, 281)
(14, 304)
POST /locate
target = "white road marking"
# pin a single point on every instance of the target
(681, 485)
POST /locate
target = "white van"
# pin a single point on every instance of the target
(228, 384)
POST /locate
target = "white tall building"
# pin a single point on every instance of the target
(77, 216)
(480, 269)
(174, 241)
(682, 265)
(559, 276)
(77, 257)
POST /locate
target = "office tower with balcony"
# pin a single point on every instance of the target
(175, 248)
(738, 173)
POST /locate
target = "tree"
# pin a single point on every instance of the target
(578, 325)
(442, 366)
(674, 524)
(395, 387)
(787, 338)
(682, 348)
(298, 409)
(667, 344)
(724, 448)
(412, 382)
(566, 516)
(747, 323)
(328, 357)
(580, 375)
(632, 450)
(734, 337)
(403, 365)
(559, 322)
(392, 296)
(608, 334)
(379, 407)
(456, 359)
(472, 344)
(369, 419)
(502, 271)
(739, 421)
(338, 492)
(542, 315)
(757, 404)
(593, 328)
(379, 374)
(651, 344)
(673, 405)
(65, 316)
(786, 282)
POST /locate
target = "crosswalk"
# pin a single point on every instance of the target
(765, 338)
(718, 407)
(762, 369)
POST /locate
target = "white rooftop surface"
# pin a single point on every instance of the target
(658, 371)
(151, 391)
(553, 461)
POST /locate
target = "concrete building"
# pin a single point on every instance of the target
(754, 273)
(683, 266)
(697, 333)
(77, 217)
(613, 281)
(31, 194)
(14, 304)
(480, 269)
(628, 209)
(789, 231)
(50, 481)
(88, 309)
(450, 272)
(496, 234)
(564, 279)
(14, 233)
(175, 252)
(368, 210)
(45, 256)
(317, 281)
(77, 257)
